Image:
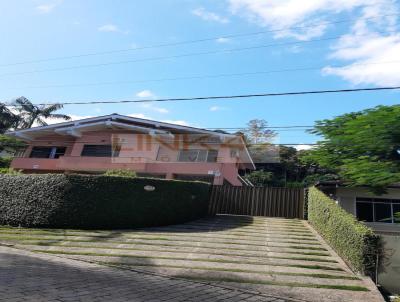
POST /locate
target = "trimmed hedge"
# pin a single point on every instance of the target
(352, 240)
(98, 202)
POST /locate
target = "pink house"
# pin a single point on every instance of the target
(150, 148)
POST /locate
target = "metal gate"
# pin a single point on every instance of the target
(257, 201)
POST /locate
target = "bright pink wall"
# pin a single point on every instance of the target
(138, 153)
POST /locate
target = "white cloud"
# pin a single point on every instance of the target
(223, 40)
(46, 8)
(308, 17)
(154, 108)
(217, 108)
(202, 13)
(176, 122)
(364, 53)
(140, 115)
(109, 28)
(145, 94)
(303, 147)
(148, 94)
(370, 56)
(375, 60)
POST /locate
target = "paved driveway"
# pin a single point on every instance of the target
(275, 257)
(26, 276)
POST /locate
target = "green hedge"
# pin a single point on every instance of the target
(352, 240)
(98, 202)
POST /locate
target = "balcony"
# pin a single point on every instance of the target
(77, 163)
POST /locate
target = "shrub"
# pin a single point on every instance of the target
(121, 173)
(352, 240)
(5, 162)
(94, 202)
(10, 171)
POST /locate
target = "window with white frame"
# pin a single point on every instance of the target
(198, 155)
(378, 210)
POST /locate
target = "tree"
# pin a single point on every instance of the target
(257, 132)
(260, 178)
(7, 119)
(363, 147)
(30, 113)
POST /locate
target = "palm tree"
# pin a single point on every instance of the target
(8, 119)
(30, 113)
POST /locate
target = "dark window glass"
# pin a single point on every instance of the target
(365, 211)
(212, 156)
(383, 212)
(47, 152)
(59, 151)
(97, 150)
(41, 152)
(396, 213)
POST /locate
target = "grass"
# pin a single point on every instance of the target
(290, 284)
(39, 241)
(138, 235)
(304, 245)
(180, 252)
(322, 276)
(186, 259)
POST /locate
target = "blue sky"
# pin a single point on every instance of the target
(360, 36)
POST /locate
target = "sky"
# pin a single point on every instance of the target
(73, 50)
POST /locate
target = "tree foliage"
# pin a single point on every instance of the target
(260, 178)
(8, 119)
(362, 147)
(30, 113)
(257, 132)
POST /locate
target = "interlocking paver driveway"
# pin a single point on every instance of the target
(280, 257)
(25, 276)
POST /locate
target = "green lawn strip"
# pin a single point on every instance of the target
(308, 246)
(191, 252)
(228, 226)
(147, 231)
(137, 235)
(191, 259)
(206, 268)
(290, 284)
(261, 231)
(38, 241)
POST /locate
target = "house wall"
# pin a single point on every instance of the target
(389, 278)
(346, 198)
(141, 153)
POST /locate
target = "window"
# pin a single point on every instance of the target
(212, 156)
(100, 151)
(396, 213)
(197, 155)
(47, 152)
(383, 212)
(378, 210)
(365, 211)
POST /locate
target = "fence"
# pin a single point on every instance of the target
(257, 201)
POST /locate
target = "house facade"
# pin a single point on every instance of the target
(382, 214)
(150, 148)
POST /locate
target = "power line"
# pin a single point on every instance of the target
(231, 50)
(226, 36)
(194, 77)
(242, 96)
